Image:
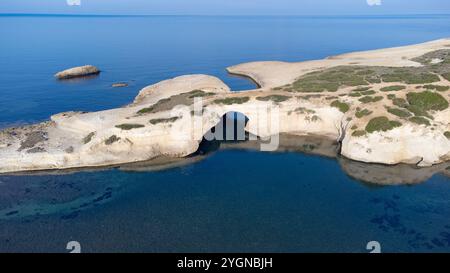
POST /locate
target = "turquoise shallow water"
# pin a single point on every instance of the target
(233, 200)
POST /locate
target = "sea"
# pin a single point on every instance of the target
(233, 199)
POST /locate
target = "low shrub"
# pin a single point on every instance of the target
(393, 88)
(163, 120)
(381, 124)
(359, 133)
(112, 139)
(234, 100)
(369, 99)
(342, 106)
(427, 100)
(362, 113)
(447, 134)
(274, 98)
(129, 126)
(399, 112)
(88, 138)
(420, 120)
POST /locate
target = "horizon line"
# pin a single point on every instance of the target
(222, 15)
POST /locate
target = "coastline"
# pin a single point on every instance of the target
(247, 77)
(63, 147)
(317, 146)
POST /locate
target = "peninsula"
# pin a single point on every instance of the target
(386, 106)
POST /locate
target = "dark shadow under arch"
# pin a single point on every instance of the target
(230, 129)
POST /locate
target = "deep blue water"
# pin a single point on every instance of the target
(233, 200)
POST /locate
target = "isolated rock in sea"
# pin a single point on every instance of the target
(76, 72)
(119, 84)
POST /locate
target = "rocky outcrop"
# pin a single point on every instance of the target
(77, 72)
(180, 85)
(385, 106)
(119, 84)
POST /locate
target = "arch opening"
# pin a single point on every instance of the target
(230, 129)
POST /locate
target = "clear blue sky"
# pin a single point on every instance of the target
(228, 7)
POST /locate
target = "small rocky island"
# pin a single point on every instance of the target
(119, 84)
(78, 72)
(386, 106)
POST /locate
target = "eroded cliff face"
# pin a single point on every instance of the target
(386, 106)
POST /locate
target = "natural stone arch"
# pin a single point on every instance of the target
(230, 128)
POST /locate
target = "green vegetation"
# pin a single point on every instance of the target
(146, 110)
(368, 92)
(163, 120)
(442, 68)
(329, 80)
(314, 118)
(410, 77)
(274, 98)
(362, 93)
(112, 139)
(420, 120)
(391, 96)
(427, 59)
(359, 89)
(342, 106)
(88, 138)
(355, 94)
(362, 113)
(365, 72)
(393, 88)
(168, 103)
(331, 98)
(303, 110)
(199, 93)
(440, 88)
(368, 99)
(230, 101)
(307, 97)
(381, 124)
(420, 103)
(427, 100)
(373, 79)
(359, 133)
(161, 101)
(446, 76)
(152, 108)
(400, 102)
(447, 134)
(418, 111)
(398, 112)
(129, 126)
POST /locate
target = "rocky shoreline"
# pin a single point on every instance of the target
(386, 106)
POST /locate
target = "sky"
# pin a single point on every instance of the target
(227, 7)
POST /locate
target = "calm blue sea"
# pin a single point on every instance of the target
(234, 200)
